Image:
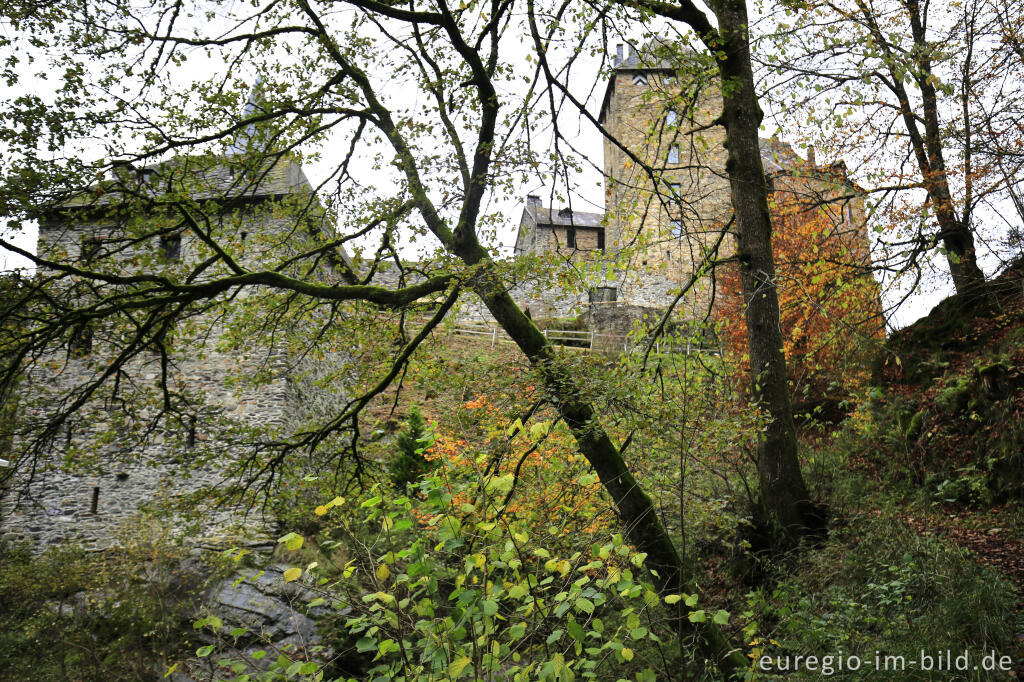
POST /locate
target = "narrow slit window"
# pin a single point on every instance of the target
(600, 240)
(81, 340)
(90, 249)
(570, 237)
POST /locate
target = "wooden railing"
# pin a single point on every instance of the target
(582, 340)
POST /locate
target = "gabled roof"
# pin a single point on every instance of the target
(549, 216)
(204, 177)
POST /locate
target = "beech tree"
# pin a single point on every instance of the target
(920, 99)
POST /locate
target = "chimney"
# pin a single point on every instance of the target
(533, 200)
(810, 157)
(618, 54)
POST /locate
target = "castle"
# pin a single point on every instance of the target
(195, 390)
(667, 211)
(667, 199)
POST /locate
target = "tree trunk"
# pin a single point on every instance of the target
(635, 508)
(783, 493)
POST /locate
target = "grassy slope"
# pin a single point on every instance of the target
(925, 482)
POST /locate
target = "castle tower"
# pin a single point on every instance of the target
(191, 399)
(667, 196)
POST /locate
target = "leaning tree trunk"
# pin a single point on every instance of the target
(783, 492)
(634, 506)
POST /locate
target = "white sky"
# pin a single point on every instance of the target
(588, 190)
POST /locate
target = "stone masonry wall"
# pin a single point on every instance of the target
(116, 446)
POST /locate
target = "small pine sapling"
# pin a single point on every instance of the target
(410, 464)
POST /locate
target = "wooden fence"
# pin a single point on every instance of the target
(582, 340)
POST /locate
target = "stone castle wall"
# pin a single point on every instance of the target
(117, 455)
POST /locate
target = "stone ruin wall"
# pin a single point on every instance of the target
(130, 473)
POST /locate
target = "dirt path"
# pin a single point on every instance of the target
(993, 547)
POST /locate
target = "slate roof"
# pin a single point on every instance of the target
(551, 216)
(204, 177)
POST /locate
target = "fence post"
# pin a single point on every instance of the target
(494, 336)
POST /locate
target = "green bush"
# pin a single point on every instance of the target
(879, 586)
(68, 614)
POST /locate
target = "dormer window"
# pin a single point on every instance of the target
(639, 79)
(170, 247)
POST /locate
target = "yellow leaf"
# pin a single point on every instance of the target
(383, 572)
(627, 653)
(320, 511)
(292, 574)
(458, 665)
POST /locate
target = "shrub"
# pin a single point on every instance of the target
(407, 467)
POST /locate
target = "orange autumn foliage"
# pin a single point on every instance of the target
(829, 301)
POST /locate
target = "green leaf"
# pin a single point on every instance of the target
(204, 651)
(539, 430)
(697, 616)
(502, 484)
(292, 541)
(673, 598)
(721, 617)
(291, 574)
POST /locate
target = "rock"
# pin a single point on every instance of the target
(275, 613)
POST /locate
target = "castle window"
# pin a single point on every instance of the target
(675, 228)
(90, 247)
(81, 340)
(674, 189)
(673, 154)
(170, 246)
(570, 237)
(639, 79)
(671, 119)
(600, 240)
